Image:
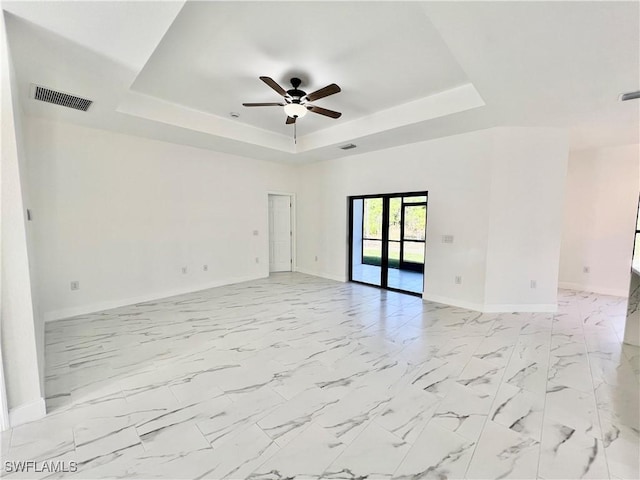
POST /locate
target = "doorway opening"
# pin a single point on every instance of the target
(387, 240)
(280, 233)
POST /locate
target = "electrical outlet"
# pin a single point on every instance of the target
(184, 270)
(447, 239)
(458, 280)
(205, 268)
(257, 259)
(534, 284)
(316, 258)
(255, 233)
(586, 269)
(75, 285)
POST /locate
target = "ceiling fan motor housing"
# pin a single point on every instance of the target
(296, 94)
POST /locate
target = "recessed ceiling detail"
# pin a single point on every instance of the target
(177, 69)
(48, 95)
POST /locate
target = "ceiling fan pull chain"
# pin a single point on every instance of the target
(295, 133)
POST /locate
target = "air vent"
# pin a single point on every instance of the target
(348, 146)
(59, 98)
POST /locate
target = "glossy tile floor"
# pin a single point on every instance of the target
(296, 376)
(406, 280)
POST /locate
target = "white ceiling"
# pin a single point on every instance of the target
(409, 71)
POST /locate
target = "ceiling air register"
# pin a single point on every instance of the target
(48, 95)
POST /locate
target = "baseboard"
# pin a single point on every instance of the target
(491, 308)
(27, 412)
(521, 307)
(454, 302)
(322, 275)
(615, 292)
(123, 302)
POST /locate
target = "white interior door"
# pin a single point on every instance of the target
(279, 233)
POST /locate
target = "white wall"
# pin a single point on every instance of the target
(454, 170)
(529, 169)
(599, 219)
(18, 332)
(483, 186)
(122, 215)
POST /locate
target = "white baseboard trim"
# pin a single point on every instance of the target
(27, 412)
(123, 302)
(491, 308)
(454, 302)
(522, 307)
(322, 275)
(616, 292)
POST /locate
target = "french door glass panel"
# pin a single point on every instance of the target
(388, 241)
(366, 247)
(415, 221)
(413, 252)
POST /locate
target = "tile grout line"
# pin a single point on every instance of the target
(429, 421)
(593, 388)
(546, 388)
(475, 446)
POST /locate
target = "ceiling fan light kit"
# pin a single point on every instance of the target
(298, 102)
(295, 110)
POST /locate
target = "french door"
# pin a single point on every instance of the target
(387, 242)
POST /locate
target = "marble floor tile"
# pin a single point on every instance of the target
(375, 453)
(181, 438)
(294, 415)
(571, 370)
(309, 455)
(573, 408)
(527, 373)
(244, 452)
(239, 414)
(503, 453)
(298, 376)
(437, 376)
(519, 410)
(408, 412)
(437, 453)
(621, 446)
(351, 414)
(106, 445)
(495, 349)
(39, 443)
(463, 411)
(568, 453)
(481, 375)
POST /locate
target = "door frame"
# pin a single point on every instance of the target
(384, 261)
(292, 198)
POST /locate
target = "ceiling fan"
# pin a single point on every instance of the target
(296, 101)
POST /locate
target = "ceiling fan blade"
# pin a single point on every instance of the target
(272, 83)
(290, 120)
(263, 104)
(323, 92)
(324, 111)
